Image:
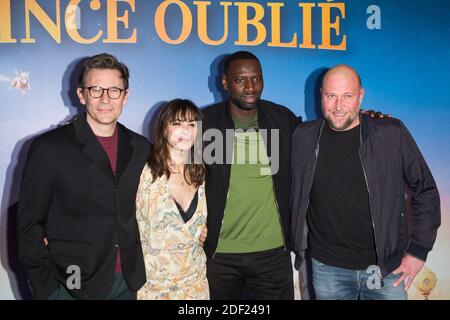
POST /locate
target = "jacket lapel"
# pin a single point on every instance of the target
(124, 151)
(91, 146)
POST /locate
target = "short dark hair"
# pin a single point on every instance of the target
(239, 55)
(104, 61)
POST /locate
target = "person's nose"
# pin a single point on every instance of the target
(104, 98)
(339, 103)
(184, 128)
(249, 87)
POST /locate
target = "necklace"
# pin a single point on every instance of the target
(176, 176)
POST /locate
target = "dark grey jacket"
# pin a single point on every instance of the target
(390, 160)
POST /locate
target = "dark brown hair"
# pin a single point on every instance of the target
(174, 110)
(104, 61)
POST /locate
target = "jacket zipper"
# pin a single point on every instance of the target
(310, 182)
(368, 192)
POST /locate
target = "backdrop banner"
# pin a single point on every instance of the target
(175, 49)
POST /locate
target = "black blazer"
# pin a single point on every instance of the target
(70, 196)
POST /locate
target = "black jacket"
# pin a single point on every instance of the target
(70, 196)
(270, 116)
(390, 159)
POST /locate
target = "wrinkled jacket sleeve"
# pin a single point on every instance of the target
(34, 204)
(425, 202)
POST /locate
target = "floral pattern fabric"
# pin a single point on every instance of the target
(175, 262)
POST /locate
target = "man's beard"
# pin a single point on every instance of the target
(342, 126)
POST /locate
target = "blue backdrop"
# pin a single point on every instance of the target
(402, 53)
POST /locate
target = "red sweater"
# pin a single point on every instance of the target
(110, 145)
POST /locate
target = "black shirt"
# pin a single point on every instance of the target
(187, 215)
(341, 232)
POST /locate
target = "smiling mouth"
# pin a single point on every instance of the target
(250, 98)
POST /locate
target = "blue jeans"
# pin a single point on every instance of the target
(332, 283)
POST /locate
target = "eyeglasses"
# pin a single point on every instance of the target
(97, 92)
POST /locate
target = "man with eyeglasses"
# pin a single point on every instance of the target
(78, 235)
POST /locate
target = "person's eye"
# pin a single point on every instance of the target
(176, 123)
(331, 96)
(240, 81)
(192, 125)
(114, 90)
(257, 79)
(348, 96)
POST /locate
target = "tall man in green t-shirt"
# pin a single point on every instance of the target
(248, 244)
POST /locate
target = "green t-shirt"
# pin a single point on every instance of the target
(251, 220)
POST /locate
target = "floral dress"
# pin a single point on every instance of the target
(175, 263)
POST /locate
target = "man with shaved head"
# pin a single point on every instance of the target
(341, 115)
(348, 205)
